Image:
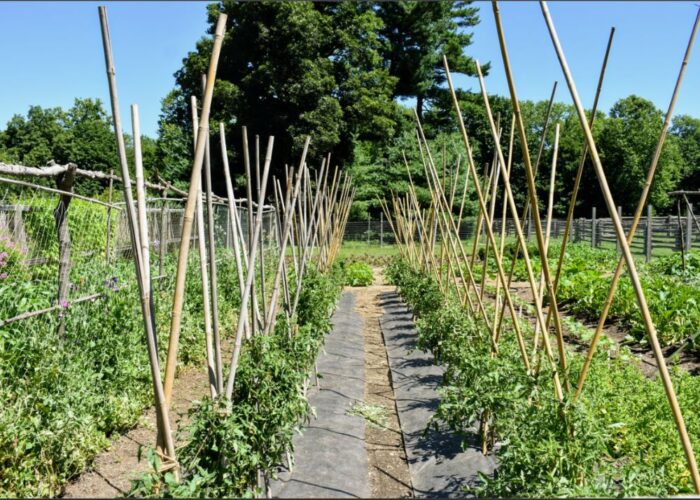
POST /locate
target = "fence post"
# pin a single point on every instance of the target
(381, 229)
(369, 220)
(64, 182)
(689, 227)
(109, 216)
(162, 237)
(648, 234)
(529, 225)
(594, 241)
(617, 242)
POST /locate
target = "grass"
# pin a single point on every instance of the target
(374, 414)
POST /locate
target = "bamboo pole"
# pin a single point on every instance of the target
(141, 194)
(251, 272)
(163, 419)
(639, 210)
(532, 189)
(235, 223)
(521, 238)
(212, 371)
(179, 294)
(550, 207)
(504, 212)
(579, 172)
(526, 208)
(634, 277)
(441, 196)
(262, 243)
(214, 281)
(518, 227)
(142, 214)
(255, 324)
(492, 210)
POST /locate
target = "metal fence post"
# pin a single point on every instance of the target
(594, 241)
(648, 234)
(381, 229)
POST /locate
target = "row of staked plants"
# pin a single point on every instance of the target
(65, 396)
(229, 442)
(671, 289)
(618, 439)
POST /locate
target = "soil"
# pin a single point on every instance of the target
(688, 361)
(388, 467)
(112, 471)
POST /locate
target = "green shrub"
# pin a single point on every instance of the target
(358, 274)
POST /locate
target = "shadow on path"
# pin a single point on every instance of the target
(438, 465)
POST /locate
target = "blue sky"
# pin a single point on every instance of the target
(51, 52)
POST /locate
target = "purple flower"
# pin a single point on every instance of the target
(64, 304)
(3, 255)
(10, 244)
(3, 276)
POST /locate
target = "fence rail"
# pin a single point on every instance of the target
(654, 235)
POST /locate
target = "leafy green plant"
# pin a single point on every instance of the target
(618, 439)
(358, 274)
(228, 442)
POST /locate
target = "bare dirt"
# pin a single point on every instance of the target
(112, 471)
(388, 468)
(647, 361)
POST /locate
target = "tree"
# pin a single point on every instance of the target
(418, 34)
(686, 130)
(627, 145)
(292, 69)
(82, 135)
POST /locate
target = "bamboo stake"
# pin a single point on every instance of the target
(492, 210)
(192, 197)
(533, 202)
(579, 172)
(639, 210)
(163, 420)
(251, 272)
(550, 207)
(235, 222)
(286, 234)
(141, 212)
(262, 243)
(255, 325)
(214, 282)
(141, 195)
(634, 277)
(504, 212)
(514, 213)
(526, 208)
(212, 371)
(521, 237)
(441, 196)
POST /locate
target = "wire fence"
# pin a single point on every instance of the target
(654, 236)
(66, 256)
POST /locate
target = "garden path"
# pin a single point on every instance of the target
(395, 457)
